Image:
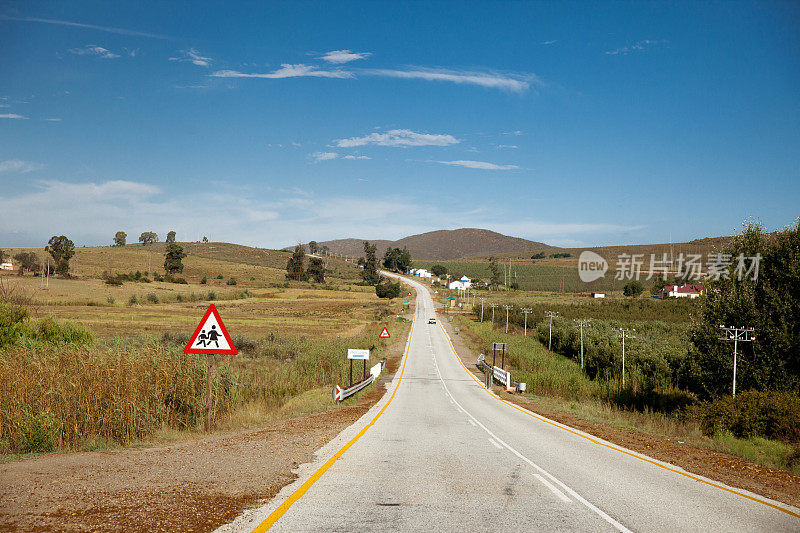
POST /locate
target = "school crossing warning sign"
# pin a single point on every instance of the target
(211, 337)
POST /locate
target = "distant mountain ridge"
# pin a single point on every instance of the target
(442, 244)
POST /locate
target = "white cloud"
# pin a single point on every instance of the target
(193, 56)
(398, 138)
(119, 31)
(287, 71)
(14, 116)
(510, 146)
(324, 156)
(94, 50)
(344, 56)
(624, 50)
(16, 165)
(549, 42)
(517, 132)
(492, 80)
(482, 165)
(356, 157)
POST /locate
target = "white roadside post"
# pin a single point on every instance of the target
(736, 334)
(551, 315)
(625, 334)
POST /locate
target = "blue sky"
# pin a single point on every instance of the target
(573, 124)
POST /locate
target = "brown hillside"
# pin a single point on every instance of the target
(443, 244)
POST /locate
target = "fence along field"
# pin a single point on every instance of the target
(107, 371)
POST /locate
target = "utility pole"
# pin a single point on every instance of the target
(482, 299)
(625, 334)
(736, 335)
(525, 312)
(507, 308)
(582, 323)
(493, 306)
(551, 315)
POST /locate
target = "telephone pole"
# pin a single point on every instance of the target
(493, 306)
(625, 334)
(736, 335)
(482, 299)
(582, 323)
(551, 315)
(507, 308)
(525, 312)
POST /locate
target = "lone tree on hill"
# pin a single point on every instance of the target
(316, 269)
(294, 268)
(148, 237)
(171, 236)
(397, 260)
(313, 247)
(497, 277)
(173, 263)
(120, 238)
(62, 249)
(370, 273)
(387, 290)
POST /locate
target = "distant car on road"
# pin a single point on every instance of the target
(431, 321)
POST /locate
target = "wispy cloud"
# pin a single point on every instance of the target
(344, 56)
(94, 50)
(14, 116)
(119, 31)
(16, 165)
(287, 71)
(324, 156)
(481, 165)
(547, 43)
(624, 50)
(192, 56)
(491, 80)
(510, 146)
(356, 157)
(515, 132)
(398, 138)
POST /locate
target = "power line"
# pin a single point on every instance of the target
(625, 334)
(582, 323)
(551, 315)
(736, 335)
(525, 312)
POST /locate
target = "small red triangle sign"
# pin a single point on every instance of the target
(384, 334)
(211, 337)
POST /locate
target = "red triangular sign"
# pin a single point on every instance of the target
(211, 337)
(384, 334)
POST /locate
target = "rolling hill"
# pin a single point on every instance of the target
(443, 244)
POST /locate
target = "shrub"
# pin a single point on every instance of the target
(220, 276)
(770, 414)
(133, 300)
(231, 281)
(204, 280)
(111, 300)
(211, 296)
(387, 290)
(36, 433)
(116, 282)
(152, 298)
(633, 288)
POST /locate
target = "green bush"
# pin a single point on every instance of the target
(770, 414)
(220, 276)
(133, 300)
(152, 298)
(387, 290)
(231, 281)
(36, 434)
(204, 280)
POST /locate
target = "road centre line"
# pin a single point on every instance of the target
(495, 444)
(563, 497)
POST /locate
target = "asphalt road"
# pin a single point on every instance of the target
(445, 454)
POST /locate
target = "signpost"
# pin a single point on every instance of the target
(353, 353)
(499, 347)
(210, 338)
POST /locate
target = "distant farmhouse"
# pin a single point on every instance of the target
(420, 272)
(462, 284)
(6, 266)
(683, 291)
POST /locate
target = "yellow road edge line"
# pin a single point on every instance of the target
(590, 439)
(301, 490)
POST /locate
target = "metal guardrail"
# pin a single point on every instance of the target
(340, 394)
(502, 376)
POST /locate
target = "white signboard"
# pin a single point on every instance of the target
(358, 354)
